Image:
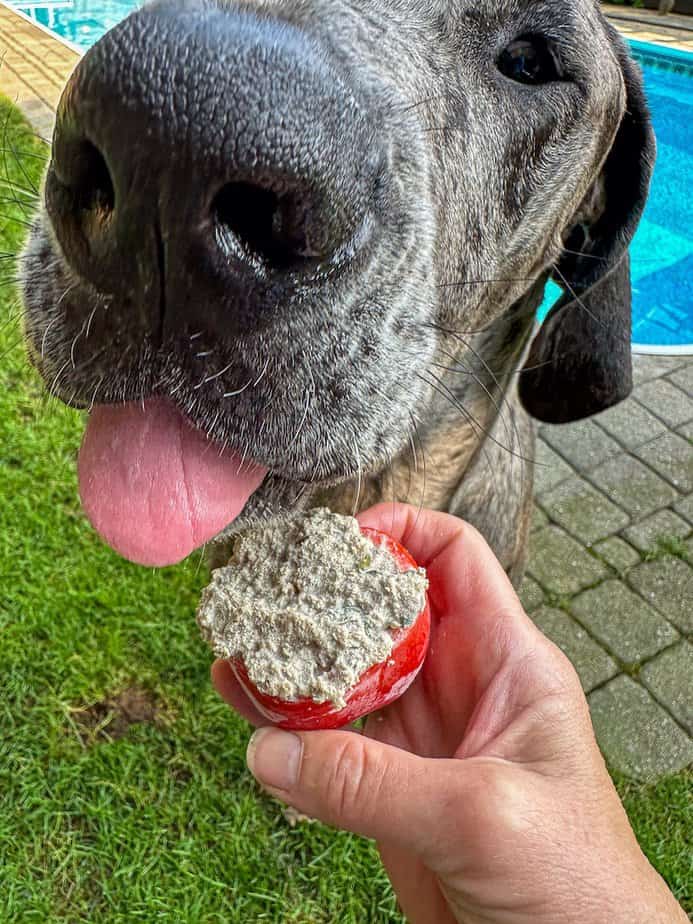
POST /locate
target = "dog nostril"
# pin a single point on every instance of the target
(80, 200)
(271, 226)
(89, 179)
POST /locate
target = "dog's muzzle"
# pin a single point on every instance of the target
(208, 165)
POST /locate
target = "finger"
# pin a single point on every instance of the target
(366, 787)
(425, 533)
(468, 586)
(232, 692)
(484, 649)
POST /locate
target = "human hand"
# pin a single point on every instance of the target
(483, 785)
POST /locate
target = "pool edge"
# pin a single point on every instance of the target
(647, 349)
(54, 35)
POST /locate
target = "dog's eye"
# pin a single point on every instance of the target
(529, 59)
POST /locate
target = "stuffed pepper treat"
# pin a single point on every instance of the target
(321, 621)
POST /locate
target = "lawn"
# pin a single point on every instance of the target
(123, 790)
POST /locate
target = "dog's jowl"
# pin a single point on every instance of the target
(291, 251)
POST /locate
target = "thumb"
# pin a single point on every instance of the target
(353, 782)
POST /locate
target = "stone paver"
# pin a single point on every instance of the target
(669, 677)
(672, 457)
(683, 379)
(668, 402)
(617, 553)
(623, 622)
(593, 664)
(584, 444)
(583, 511)
(561, 565)
(550, 469)
(631, 424)
(531, 595)
(661, 525)
(684, 508)
(539, 519)
(636, 735)
(646, 368)
(599, 515)
(633, 486)
(667, 584)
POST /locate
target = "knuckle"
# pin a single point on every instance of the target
(561, 673)
(354, 783)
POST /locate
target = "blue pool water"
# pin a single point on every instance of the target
(81, 22)
(662, 253)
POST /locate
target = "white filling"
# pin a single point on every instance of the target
(307, 604)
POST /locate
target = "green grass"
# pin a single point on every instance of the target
(163, 823)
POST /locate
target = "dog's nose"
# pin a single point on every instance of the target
(205, 158)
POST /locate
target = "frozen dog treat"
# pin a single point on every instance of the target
(321, 621)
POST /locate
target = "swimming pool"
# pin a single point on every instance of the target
(662, 253)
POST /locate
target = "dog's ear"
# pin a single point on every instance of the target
(580, 361)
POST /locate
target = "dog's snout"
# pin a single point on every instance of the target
(201, 154)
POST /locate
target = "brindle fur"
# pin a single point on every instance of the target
(399, 379)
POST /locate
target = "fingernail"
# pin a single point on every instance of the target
(274, 757)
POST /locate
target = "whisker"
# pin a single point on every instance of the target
(52, 390)
(498, 408)
(24, 154)
(11, 319)
(12, 346)
(45, 336)
(22, 222)
(421, 102)
(493, 400)
(262, 374)
(7, 183)
(422, 499)
(309, 393)
(234, 394)
(201, 559)
(445, 392)
(212, 378)
(11, 200)
(358, 488)
(93, 397)
(587, 256)
(90, 319)
(578, 300)
(210, 428)
(460, 284)
(7, 140)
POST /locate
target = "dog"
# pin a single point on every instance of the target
(321, 229)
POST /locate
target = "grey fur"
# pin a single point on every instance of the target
(408, 366)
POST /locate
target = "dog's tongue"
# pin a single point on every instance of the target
(154, 487)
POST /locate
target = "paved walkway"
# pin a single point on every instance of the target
(649, 26)
(34, 67)
(610, 576)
